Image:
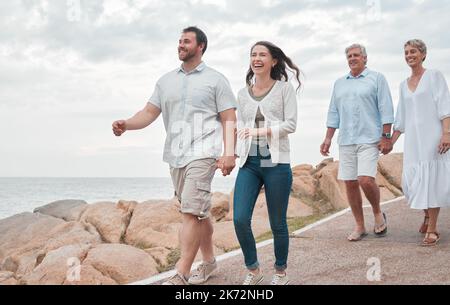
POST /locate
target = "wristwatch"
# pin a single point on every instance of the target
(387, 135)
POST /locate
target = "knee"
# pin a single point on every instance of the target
(366, 182)
(353, 184)
(241, 223)
(279, 228)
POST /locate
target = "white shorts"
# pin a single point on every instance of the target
(357, 161)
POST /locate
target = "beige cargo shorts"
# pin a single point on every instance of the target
(192, 185)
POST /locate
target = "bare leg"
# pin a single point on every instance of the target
(432, 225)
(206, 244)
(190, 238)
(372, 192)
(355, 201)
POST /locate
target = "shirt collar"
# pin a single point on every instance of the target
(363, 74)
(201, 66)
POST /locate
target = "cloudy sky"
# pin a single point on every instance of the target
(68, 68)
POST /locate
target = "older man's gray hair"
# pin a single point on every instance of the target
(419, 45)
(357, 46)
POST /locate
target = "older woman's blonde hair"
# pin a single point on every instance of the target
(418, 44)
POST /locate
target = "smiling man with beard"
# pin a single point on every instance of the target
(198, 109)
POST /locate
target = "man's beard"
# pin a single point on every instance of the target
(189, 55)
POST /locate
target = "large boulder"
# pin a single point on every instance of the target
(304, 186)
(333, 189)
(58, 266)
(391, 167)
(26, 231)
(154, 224)
(7, 278)
(69, 210)
(111, 220)
(121, 263)
(220, 206)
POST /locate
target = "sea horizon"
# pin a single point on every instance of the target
(24, 194)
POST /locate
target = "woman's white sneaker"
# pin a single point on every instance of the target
(279, 279)
(253, 279)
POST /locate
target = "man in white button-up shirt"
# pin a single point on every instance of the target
(198, 108)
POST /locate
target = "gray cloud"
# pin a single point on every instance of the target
(63, 80)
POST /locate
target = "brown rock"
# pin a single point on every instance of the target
(26, 232)
(91, 276)
(303, 170)
(160, 255)
(147, 222)
(391, 166)
(58, 266)
(69, 210)
(7, 278)
(109, 219)
(333, 189)
(122, 263)
(220, 206)
(304, 186)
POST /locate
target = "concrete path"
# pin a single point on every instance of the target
(322, 255)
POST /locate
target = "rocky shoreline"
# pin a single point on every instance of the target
(72, 242)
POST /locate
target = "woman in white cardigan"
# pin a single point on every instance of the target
(423, 115)
(267, 113)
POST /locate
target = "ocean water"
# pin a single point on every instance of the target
(19, 195)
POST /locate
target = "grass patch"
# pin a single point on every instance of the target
(172, 259)
(295, 224)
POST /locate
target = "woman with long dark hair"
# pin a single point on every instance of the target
(267, 114)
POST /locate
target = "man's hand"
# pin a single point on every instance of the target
(226, 164)
(385, 146)
(119, 127)
(444, 144)
(325, 147)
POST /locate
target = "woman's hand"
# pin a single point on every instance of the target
(248, 132)
(444, 145)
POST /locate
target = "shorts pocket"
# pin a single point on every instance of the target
(204, 197)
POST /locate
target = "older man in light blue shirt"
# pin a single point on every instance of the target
(361, 108)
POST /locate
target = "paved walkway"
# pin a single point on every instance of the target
(322, 255)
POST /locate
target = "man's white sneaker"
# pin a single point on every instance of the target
(176, 279)
(202, 273)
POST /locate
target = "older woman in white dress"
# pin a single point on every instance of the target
(423, 115)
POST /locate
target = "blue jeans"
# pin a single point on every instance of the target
(277, 180)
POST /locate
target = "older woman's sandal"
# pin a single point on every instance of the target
(431, 239)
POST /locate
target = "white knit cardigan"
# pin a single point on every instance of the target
(279, 108)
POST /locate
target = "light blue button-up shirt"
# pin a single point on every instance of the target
(190, 104)
(359, 108)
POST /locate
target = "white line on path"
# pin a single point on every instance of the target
(166, 275)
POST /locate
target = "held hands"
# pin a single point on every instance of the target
(119, 127)
(325, 147)
(226, 164)
(444, 144)
(244, 133)
(385, 146)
